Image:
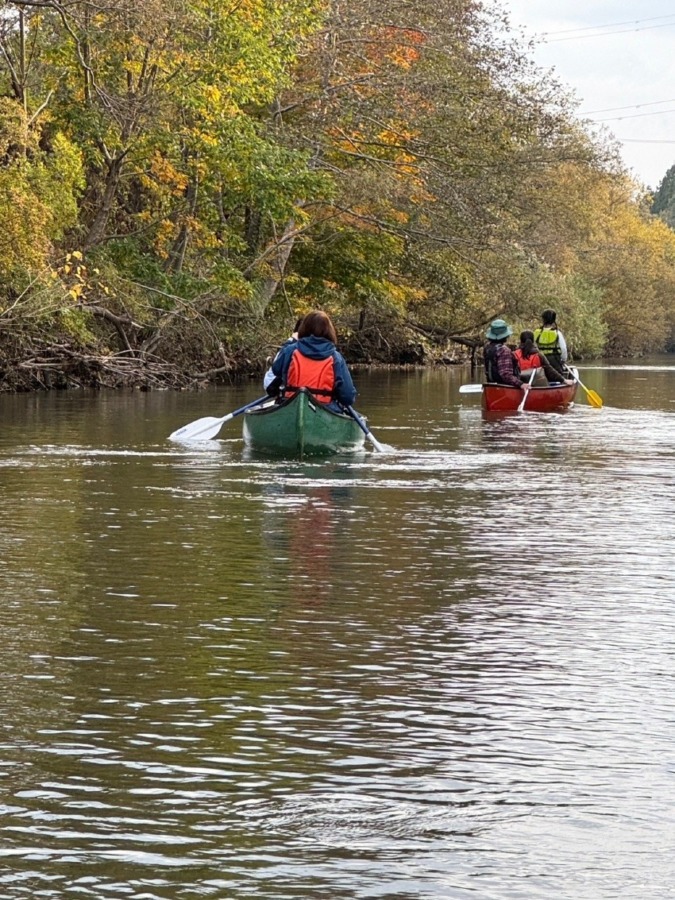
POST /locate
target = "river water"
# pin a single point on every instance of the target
(444, 671)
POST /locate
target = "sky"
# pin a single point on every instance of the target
(619, 59)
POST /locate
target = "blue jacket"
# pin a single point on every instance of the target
(318, 348)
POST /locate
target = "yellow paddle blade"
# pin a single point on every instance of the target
(594, 399)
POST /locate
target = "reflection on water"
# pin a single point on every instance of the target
(442, 672)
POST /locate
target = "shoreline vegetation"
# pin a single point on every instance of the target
(62, 366)
(180, 180)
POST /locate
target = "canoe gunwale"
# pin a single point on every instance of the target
(288, 401)
(301, 425)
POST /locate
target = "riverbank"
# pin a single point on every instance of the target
(114, 373)
(32, 365)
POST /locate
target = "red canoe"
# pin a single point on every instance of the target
(502, 397)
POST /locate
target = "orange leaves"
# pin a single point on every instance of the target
(163, 172)
(406, 43)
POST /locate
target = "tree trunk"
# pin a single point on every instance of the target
(266, 287)
(98, 227)
(177, 256)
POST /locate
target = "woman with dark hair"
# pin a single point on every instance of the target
(313, 362)
(529, 357)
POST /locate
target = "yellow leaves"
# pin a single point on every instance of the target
(73, 275)
(165, 173)
(394, 135)
(212, 94)
(399, 216)
(164, 235)
(208, 140)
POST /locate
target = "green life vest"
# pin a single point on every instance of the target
(547, 341)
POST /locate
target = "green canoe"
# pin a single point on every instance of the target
(301, 426)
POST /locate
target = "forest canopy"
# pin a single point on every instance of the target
(181, 179)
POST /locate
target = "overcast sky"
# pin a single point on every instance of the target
(633, 67)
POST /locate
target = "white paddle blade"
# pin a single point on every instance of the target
(471, 389)
(376, 444)
(200, 430)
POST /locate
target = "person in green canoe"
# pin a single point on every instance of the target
(269, 374)
(314, 362)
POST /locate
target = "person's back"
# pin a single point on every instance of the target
(529, 357)
(500, 364)
(314, 363)
(550, 340)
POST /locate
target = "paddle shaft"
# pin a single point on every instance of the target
(521, 405)
(593, 398)
(208, 427)
(364, 428)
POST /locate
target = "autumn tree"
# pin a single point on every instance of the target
(438, 134)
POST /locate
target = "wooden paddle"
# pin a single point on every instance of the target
(593, 398)
(361, 422)
(521, 405)
(207, 428)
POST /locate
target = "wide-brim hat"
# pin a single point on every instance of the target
(498, 330)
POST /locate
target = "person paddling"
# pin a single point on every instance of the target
(314, 362)
(269, 374)
(551, 341)
(501, 366)
(529, 357)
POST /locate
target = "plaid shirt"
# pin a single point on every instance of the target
(504, 366)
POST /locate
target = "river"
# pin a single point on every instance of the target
(444, 671)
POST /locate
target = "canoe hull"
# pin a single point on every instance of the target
(503, 398)
(301, 427)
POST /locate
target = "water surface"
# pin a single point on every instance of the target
(447, 671)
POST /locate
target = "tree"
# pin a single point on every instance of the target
(663, 204)
(439, 136)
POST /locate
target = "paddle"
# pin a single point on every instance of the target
(208, 427)
(364, 428)
(471, 389)
(593, 398)
(521, 405)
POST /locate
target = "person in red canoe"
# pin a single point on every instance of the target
(501, 366)
(314, 362)
(528, 357)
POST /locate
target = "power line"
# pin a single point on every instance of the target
(658, 112)
(642, 141)
(608, 33)
(593, 112)
(609, 25)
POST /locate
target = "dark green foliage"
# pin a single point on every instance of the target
(663, 204)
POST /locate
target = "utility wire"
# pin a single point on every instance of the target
(657, 112)
(593, 112)
(608, 25)
(608, 33)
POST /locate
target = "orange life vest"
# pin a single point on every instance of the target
(527, 362)
(317, 375)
